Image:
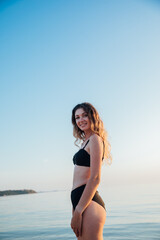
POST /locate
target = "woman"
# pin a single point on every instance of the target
(88, 212)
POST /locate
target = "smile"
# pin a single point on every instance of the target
(84, 124)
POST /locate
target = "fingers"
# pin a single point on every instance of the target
(77, 231)
(77, 228)
(80, 231)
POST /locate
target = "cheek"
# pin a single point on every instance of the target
(89, 122)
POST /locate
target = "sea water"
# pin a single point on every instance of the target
(133, 212)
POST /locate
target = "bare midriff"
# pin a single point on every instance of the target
(80, 176)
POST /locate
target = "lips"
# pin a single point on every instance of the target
(83, 125)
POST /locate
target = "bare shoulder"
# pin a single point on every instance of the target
(96, 146)
(95, 139)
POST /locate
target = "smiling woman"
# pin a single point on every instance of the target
(85, 116)
(88, 212)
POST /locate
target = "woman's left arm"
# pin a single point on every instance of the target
(96, 152)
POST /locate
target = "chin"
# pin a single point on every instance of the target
(85, 129)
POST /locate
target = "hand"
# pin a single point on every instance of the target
(76, 223)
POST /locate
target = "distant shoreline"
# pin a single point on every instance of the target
(16, 192)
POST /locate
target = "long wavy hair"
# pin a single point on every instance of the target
(96, 126)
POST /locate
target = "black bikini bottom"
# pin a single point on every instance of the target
(77, 193)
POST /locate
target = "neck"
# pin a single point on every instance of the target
(88, 134)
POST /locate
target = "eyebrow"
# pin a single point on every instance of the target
(80, 114)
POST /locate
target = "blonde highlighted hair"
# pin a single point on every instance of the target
(96, 126)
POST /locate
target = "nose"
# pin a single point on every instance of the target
(81, 119)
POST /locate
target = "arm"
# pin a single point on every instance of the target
(95, 168)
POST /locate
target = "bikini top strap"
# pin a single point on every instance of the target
(103, 147)
(85, 144)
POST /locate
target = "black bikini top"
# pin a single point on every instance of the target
(82, 157)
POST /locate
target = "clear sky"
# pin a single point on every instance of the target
(56, 54)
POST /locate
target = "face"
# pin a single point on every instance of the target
(82, 119)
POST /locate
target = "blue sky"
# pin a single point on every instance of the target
(55, 54)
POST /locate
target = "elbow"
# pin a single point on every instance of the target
(95, 180)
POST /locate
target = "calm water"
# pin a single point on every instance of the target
(132, 213)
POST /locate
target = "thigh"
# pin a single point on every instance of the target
(93, 221)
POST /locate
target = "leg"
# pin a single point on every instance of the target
(93, 222)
